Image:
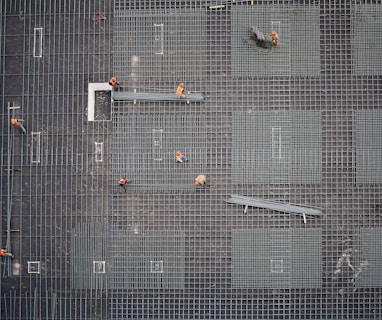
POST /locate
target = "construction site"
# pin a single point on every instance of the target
(281, 114)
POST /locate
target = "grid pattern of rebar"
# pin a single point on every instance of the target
(90, 247)
(297, 26)
(144, 148)
(367, 273)
(147, 260)
(276, 258)
(368, 129)
(59, 183)
(157, 44)
(53, 182)
(276, 147)
(366, 27)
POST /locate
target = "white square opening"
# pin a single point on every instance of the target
(276, 142)
(158, 38)
(34, 267)
(157, 144)
(99, 267)
(277, 265)
(92, 88)
(156, 266)
(35, 147)
(37, 42)
(98, 146)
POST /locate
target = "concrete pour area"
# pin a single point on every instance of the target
(300, 124)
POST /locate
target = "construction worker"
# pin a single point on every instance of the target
(180, 157)
(275, 37)
(122, 183)
(180, 91)
(113, 82)
(18, 123)
(4, 253)
(200, 180)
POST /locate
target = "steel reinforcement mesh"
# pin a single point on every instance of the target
(297, 123)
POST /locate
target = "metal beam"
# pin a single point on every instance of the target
(147, 96)
(276, 206)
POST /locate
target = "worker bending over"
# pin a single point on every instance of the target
(180, 91)
(200, 180)
(122, 183)
(4, 253)
(113, 82)
(18, 123)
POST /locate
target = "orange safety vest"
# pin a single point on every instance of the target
(122, 181)
(200, 179)
(179, 91)
(113, 81)
(3, 252)
(15, 122)
(179, 156)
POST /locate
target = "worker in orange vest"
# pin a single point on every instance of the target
(180, 157)
(4, 253)
(200, 180)
(122, 183)
(113, 82)
(180, 91)
(18, 123)
(275, 37)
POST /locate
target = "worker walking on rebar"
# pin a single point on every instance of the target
(180, 157)
(18, 123)
(113, 82)
(122, 183)
(275, 37)
(4, 253)
(180, 91)
(200, 180)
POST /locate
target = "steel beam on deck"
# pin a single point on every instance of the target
(147, 96)
(276, 206)
(9, 187)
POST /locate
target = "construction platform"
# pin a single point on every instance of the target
(298, 124)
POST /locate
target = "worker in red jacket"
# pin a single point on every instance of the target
(122, 183)
(113, 82)
(275, 37)
(200, 180)
(180, 91)
(4, 253)
(180, 157)
(18, 123)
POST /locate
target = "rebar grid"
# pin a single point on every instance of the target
(64, 183)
